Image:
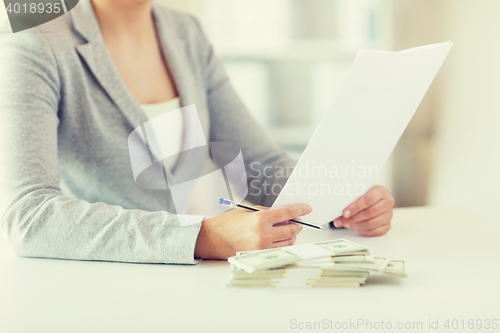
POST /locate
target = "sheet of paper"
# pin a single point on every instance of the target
(358, 133)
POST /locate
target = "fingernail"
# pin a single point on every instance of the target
(309, 209)
(337, 223)
(347, 213)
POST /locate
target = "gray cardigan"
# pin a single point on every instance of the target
(66, 185)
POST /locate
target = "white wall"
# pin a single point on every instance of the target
(466, 170)
(458, 123)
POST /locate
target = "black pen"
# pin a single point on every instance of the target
(229, 203)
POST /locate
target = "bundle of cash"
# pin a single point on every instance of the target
(336, 263)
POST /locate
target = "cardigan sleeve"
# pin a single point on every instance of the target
(36, 218)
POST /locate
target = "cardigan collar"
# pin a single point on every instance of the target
(96, 56)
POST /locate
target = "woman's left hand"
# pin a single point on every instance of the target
(371, 214)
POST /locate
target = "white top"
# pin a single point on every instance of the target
(172, 129)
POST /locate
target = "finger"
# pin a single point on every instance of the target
(372, 223)
(368, 199)
(287, 222)
(284, 232)
(286, 242)
(261, 207)
(377, 209)
(375, 232)
(273, 216)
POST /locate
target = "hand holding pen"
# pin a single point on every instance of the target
(232, 204)
(222, 235)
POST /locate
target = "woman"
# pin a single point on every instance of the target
(71, 94)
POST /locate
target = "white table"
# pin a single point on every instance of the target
(452, 259)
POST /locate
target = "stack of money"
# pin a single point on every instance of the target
(336, 263)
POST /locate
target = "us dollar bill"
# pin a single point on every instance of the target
(279, 257)
(396, 267)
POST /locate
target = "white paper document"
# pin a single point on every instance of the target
(358, 133)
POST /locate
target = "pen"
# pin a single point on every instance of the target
(229, 203)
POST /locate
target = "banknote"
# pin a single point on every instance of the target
(292, 272)
(294, 285)
(298, 283)
(330, 261)
(264, 259)
(377, 266)
(341, 246)
(284, 274)
(396, 267)
(335, 263)
(278, 257)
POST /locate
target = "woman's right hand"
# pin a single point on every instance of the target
(223, 235)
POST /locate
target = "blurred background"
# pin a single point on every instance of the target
(288, 58)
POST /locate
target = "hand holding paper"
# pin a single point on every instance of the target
(358, 133)
(370, 214)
